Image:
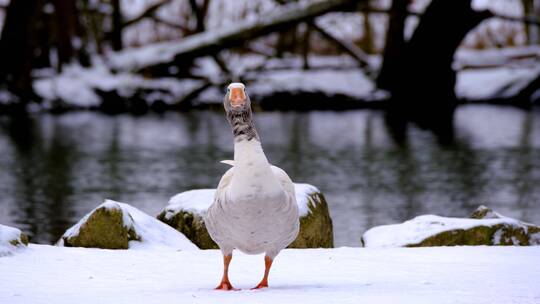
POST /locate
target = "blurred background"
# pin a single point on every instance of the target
(392, 108)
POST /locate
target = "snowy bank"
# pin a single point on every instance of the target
(332, 82)
(495, 82)
(185, 212)
(114, 225)
(82, 88)
(485, 227)
(11, 239)
(490, 275)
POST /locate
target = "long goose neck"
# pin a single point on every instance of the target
(242, 126)
(247, 144)
(252, 172)
(251, 167)
(249, 153)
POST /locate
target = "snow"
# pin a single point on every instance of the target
(303, 197)
(8, 234)
(7, 97)
(496, 73)
(494, 82)
(194, 201)
(77, 85)
(153, 233)
(513, 56)
(421, 227)
(48, 274)
(197, 201)
(352, 83)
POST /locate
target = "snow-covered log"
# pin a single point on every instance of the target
(208, 43)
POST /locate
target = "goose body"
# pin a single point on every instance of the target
(254, 208)
(255, 218)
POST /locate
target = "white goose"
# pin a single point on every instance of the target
(254, 208)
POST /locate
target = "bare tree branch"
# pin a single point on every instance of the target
(525, 19)
(168, 23)
(209, 43)
(200, 14)
(185, 102)
(360, 56)
(148, 12)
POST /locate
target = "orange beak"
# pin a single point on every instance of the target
(237, 97)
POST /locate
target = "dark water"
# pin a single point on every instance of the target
(54, 169)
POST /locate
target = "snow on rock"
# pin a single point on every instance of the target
(114, 225)
(458, 275)
(11, 239)
(185, 212)
(485, 227)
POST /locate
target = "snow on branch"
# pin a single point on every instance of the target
(208, 43)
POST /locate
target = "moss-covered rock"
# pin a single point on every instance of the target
(499, 234)
(11, 239)
(485, 227)
(114, 225)
(483, 212)
(316, 229)
(190, 224)
(185, 213)
(105, 227)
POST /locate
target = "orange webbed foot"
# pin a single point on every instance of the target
(261, 285)
(226, 286)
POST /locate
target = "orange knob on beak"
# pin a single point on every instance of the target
(237, 97)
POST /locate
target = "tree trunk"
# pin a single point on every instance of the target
(367, 40)
(66, 30)
(419, 73)
(528, 7)
(116, 34)
(17, 46)
(395, 44)
(429, 54)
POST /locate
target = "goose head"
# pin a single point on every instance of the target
(238, 108)
(236, 99)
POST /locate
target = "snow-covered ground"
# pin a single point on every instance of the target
(47, 274)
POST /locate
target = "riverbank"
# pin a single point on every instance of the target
(499, 76)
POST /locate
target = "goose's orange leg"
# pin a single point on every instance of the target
(225, 283)
(267, 265)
